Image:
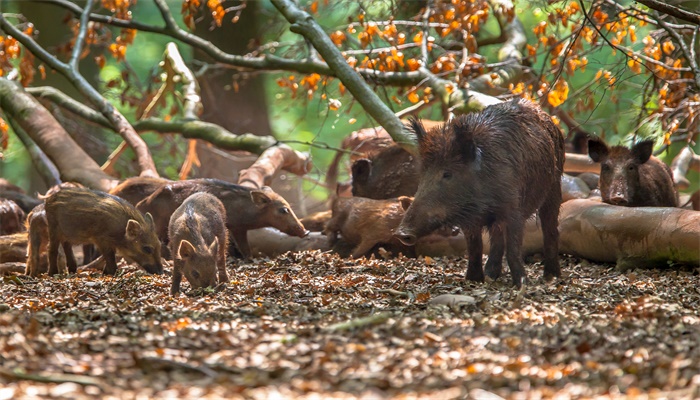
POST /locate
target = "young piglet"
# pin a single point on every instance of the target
(198, 235)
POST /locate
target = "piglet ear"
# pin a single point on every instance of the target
(642, 151)
(260, 198)
(361, 169)
(133, 229)
(416, 126)
(214, 246)
(149, 219)
(405, 202)
(597, 149)
(185, 250)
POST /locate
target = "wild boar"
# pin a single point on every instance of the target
(364, 223)
(198, 237)
(78, 216)
(137, 188)
(11, 217)
(38, 234)
(490, 169)
(246, 208)
(633, 177)
(387, 173)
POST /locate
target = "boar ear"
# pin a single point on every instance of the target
(597, 149)
(405, 202)
(416, 126)
(133, 229)
(149, 219)
(468, 150)
(185, 250)
(642, 151)
(260, 198)
(214, 246)
(361, 169)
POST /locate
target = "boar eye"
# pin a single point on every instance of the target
(284, 210)
(446, 175)
(195, 274)
(147, 249)
(631, 168)
(605, 167)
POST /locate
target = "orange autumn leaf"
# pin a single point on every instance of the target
(338, 37)
(668, 47)
(4, 137)
(314, 7)
(559, 93)
(413, 97)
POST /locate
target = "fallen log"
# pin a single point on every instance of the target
(629, 236)
(270, 162)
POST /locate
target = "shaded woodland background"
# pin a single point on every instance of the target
(619, 70)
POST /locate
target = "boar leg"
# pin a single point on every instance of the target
(363, 248)
(549, 217)
(240, 238)
(70, 258)
(221, 264)
(53, 255)
(514, 244)
(110, 261)
(177, 277)
(494, 265)
(33, 250)
(475, 249)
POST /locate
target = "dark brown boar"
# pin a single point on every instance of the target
(198, 238)
(387, 173)
(137, 188)
(633, 177)
(494, 168)
(246, 208)
(78, 215)
(11, 217)
(364, 223)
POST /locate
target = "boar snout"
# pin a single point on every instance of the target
(406, 237)
(153, 269)
(618, 199)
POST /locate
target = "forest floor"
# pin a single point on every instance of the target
(313, 325)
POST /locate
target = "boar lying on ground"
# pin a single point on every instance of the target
(495, 169)
(197, 233)
(79, 216)
(633, 177)
(11, 217)
(246, 208)
(364, 223)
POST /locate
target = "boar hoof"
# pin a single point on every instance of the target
(493, 270)
(475, 275)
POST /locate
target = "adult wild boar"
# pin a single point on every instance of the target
(79, 216)
(197, 233)
(633, 177)
(246, 208)
(494, 169)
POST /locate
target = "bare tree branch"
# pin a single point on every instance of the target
(664, 7)
(69, 158)
(116, 119)
(302, 23)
